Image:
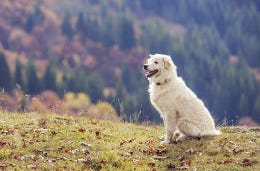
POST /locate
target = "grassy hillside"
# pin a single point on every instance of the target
(49, 142)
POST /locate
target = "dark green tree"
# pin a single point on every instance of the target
(29, 23)
(77, 81)
(66, 27)
(110, 36)
(256, 109)
(33, 82)
(80, 25)
(5, 78)
(93, 29)
(120, 99)
(18, 75)
(243, 107)
(95, 87)
(49, 78)
(33, 19)
(129, 79)
(126, 33)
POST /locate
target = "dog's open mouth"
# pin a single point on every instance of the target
(151, 73)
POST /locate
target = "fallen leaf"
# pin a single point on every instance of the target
(84, 151)
(170, 166)
(31, 166)
(190, 151)
(137, 162)
(53, 132)
(3, 166)
(246, 162)
(162, 150)
(185, 167)
(236, 151)
(97, 133)
(149, 150)
(85, 144)
(24, 144)
(153, 169)
(93, 122)
(188, 162)
(182, 158)
(66, 150)
(3, 143)
(226, 161)
(16, 156)
(87, 159)
(253, 153)
(156, 157)
(82, 130)
(152, 164)
(12, 165)
(130, 153)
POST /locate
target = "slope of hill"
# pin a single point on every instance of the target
(55, 142)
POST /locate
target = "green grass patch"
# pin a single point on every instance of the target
(49, 142)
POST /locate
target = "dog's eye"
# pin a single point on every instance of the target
(156, 62)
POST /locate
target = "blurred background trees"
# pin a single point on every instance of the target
(98, 47)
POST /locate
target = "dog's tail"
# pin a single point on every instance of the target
(211, 133)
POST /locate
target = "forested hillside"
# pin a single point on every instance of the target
(96, 50)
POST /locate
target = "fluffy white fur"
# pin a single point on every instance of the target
(183, 113)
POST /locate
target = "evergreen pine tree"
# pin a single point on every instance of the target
(243, 106)
(80, 25)
(77, 81)
(256, 109)
(29, 23)
(33, 82)
(33, 19)
(49, 78)
(96, 87)
(93, 29)
(18, 77)
(120, 97)
(5, 78)
(66, 26)
(127, 34)
(110, 36)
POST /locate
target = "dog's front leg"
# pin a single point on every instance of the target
(170, 128)
(167, 137)
(164, 124)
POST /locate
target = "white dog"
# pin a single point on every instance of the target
(183, 113)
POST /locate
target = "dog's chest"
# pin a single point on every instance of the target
(161, 99)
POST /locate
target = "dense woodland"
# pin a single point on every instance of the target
(98, 47)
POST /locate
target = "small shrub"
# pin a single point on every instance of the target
(53, 102)
(103, 111)
(77, 102)
(6, 101)
(38, 106)
(22, 100)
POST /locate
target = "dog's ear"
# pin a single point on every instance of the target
(167, 63)
(150, 55)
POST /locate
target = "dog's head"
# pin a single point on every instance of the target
(159, 67)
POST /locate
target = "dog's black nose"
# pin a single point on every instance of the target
(145, 67)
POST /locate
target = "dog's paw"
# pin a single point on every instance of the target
(177, 133)
(181, 137)
(162, 137)
(165, 142)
